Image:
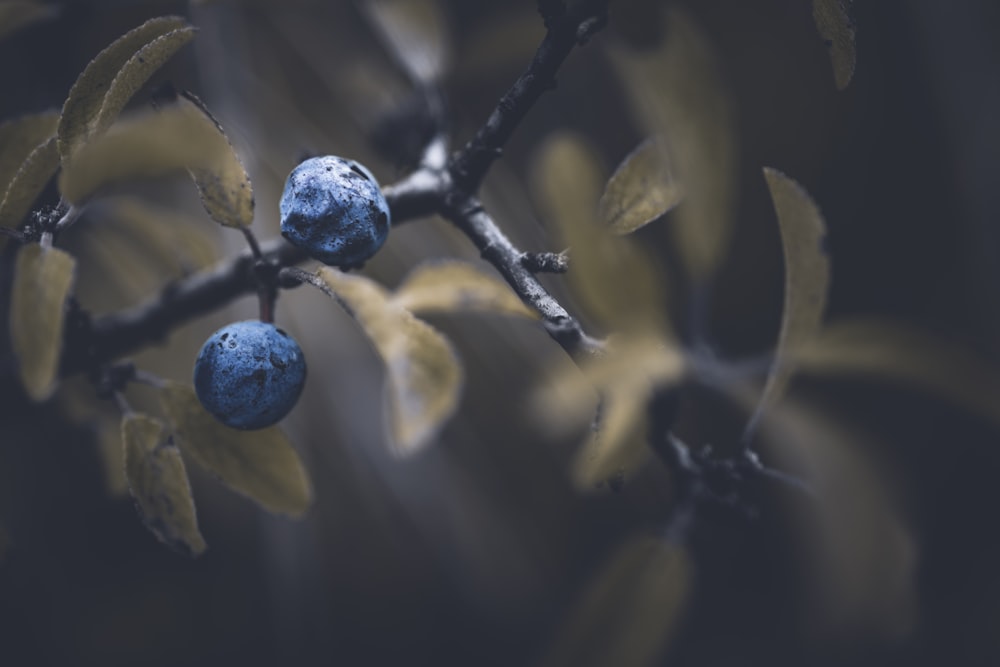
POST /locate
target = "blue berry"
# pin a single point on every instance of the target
(334, 210)
(249, 374)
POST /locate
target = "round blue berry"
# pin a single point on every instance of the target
(334, 210)
(249, 374)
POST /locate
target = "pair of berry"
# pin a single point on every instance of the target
(249, 375)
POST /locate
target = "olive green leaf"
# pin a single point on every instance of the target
(79, 402)
(614, 279)
(415, 32)
(224, 184)
(889, 351)
(176, 242)
(452, 286)
(43, 278)
(807, 278)
(19, 137)
(629, 610)
(642, 188)
(423, 374)
(28, 183)
(15, 15)
(836, 26)
(159, 484)
(98, 85)
(261, 464)
(677, 91)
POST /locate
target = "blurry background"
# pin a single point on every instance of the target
(475, 551)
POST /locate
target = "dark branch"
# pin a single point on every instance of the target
(566, 29)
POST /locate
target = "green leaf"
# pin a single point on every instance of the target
(19, 137)
(836, 26)
(159, 484)
(677, 92)
(175, 242)
(807, 278)
(642, 189)
(87, 96)
(884, 350)
(15, 15)
(28, 183)
(415, 32)
(261, 465)
(453, 286)
(43, 278)
(615, 279)
(423, 374)
(629, 610)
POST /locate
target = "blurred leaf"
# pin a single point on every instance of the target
(880, 349)
(261, 464)
(224, 184)
(15, 15)
(415, 32)
(678, 93)
(19, 137)
(159, 484)
(43, 278)
(88, 95)
(423, 374)
(614, 278)
(641, 190)
(28, 184)
(81, 405)
(136, 72)
(836, 26)
(177, 242)
(629, 610)
(452, 286)
(807, 278)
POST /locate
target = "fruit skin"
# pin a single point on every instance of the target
(334, 210)
(249, 374)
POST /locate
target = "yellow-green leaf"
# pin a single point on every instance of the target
(423, 374)
(629, 611)
(28, 183)
(224, 184)
(19, 137)
(159, 484)
(15, 15)
(261, 465)
(642, 188)
(677, 91)
(836, 27)
(415, 32)
(615, 280)
(43, 278)
(884, 350)
(136, 72)
(807, 278)
(452, 286)
(176, 242)
(86, 97)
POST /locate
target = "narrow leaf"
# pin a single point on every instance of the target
(629, 610)
(15, 15)
(28, 184)
(642, 189)
(261, 465)
(836, 27)
(136, 72)
(883, 350)
(807, 278)
(615, 279)
(678, 93)
(415, 33)
(453, 286)
(159, 484)
(423, 374)
(19, 137)
(86, 97)
(43, 278)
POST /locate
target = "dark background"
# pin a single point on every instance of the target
(474, 552)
